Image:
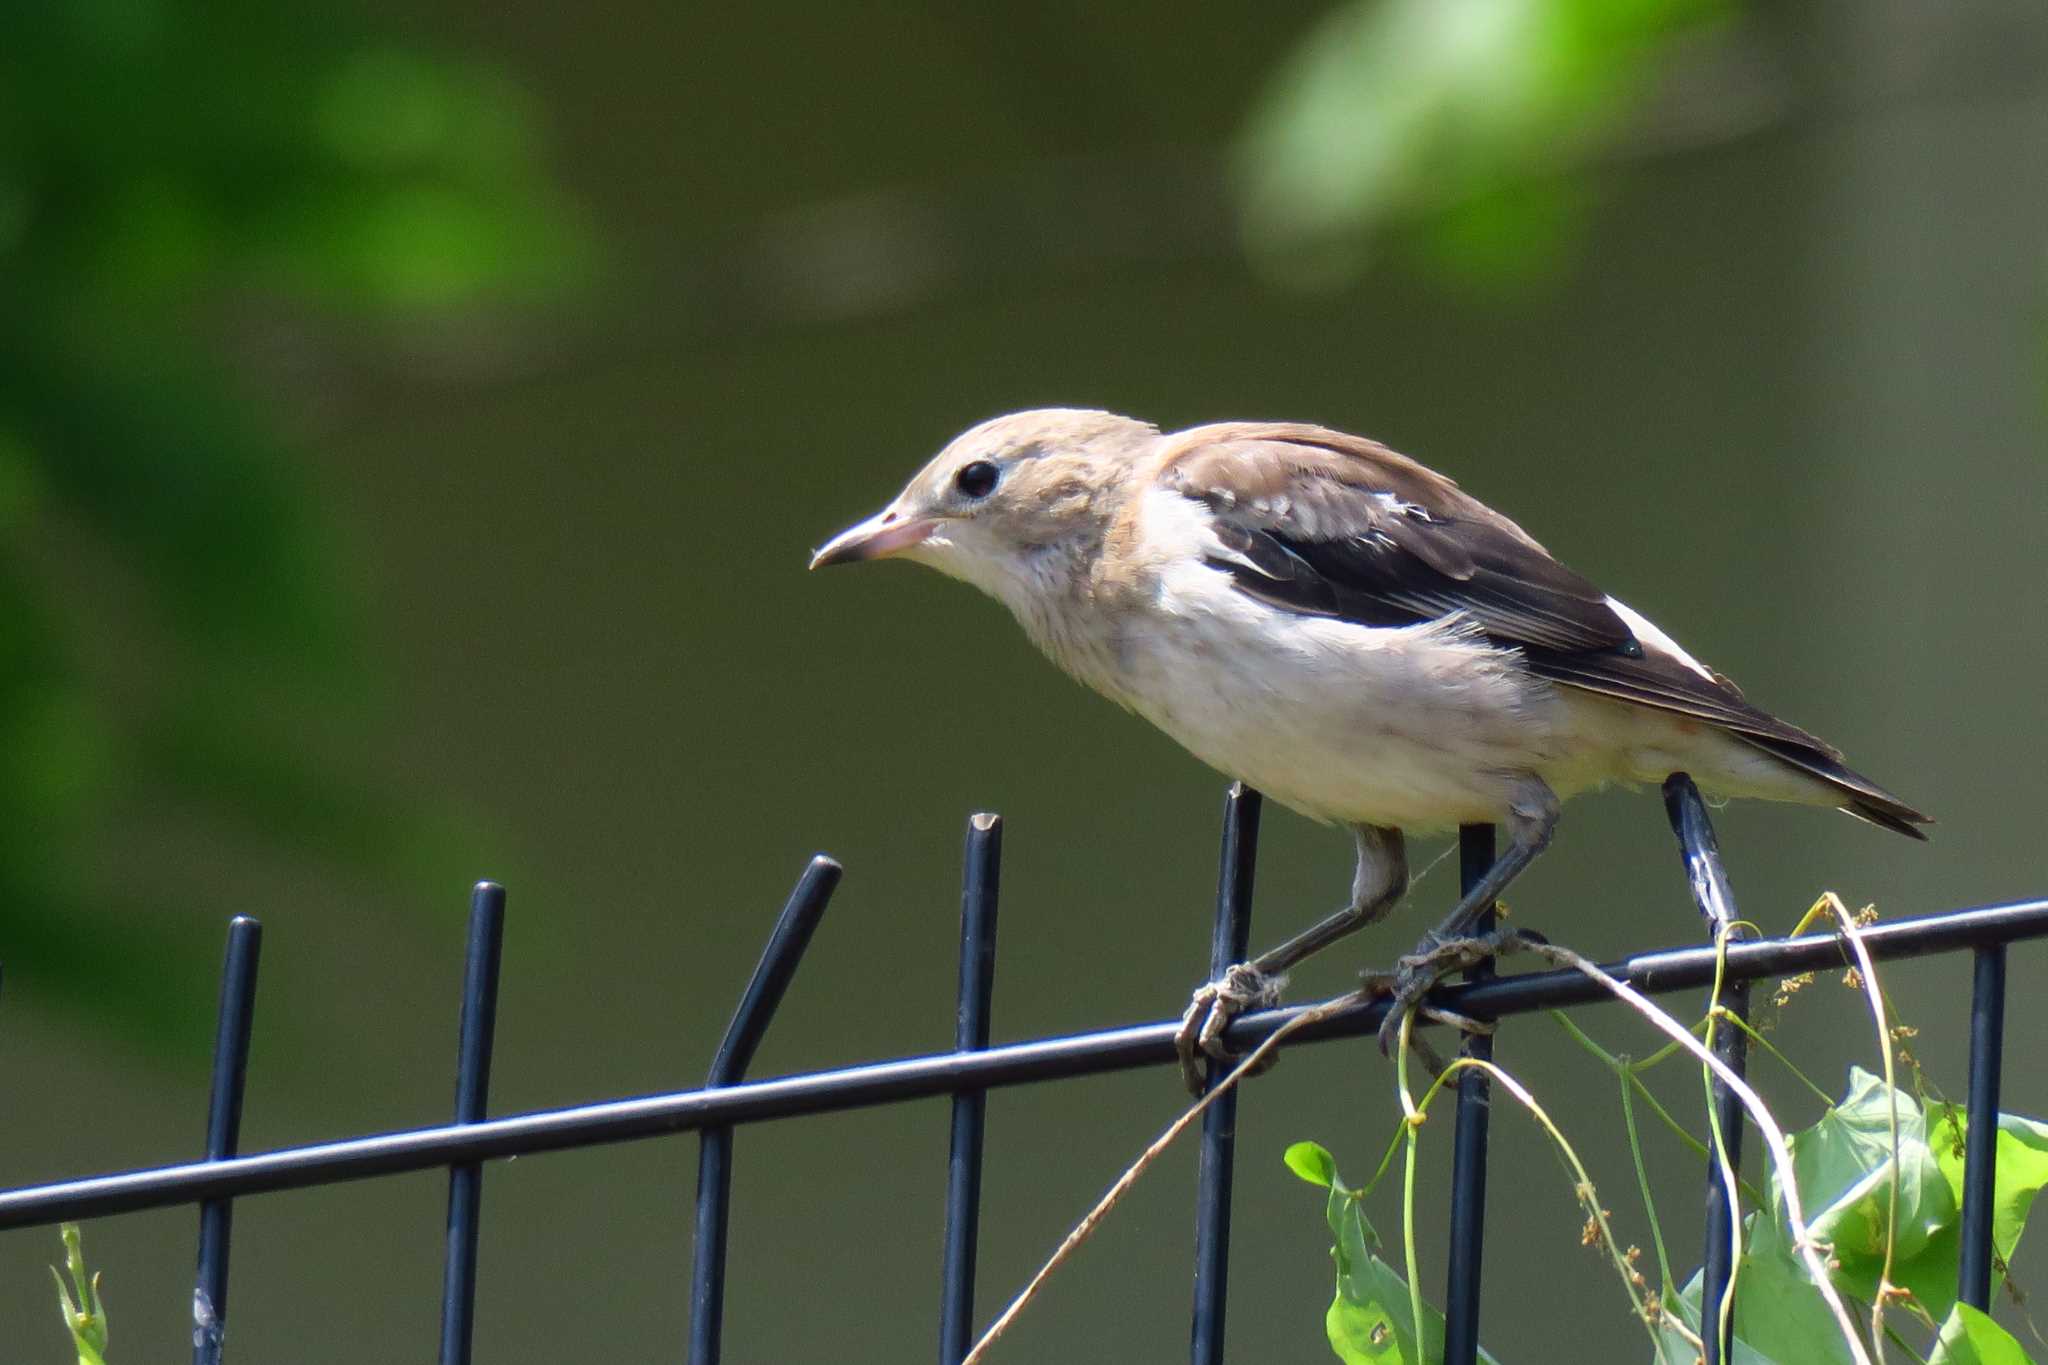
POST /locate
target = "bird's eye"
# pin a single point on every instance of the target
(977, 480)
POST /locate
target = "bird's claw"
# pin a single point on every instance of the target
(1242, 987)
(1416, 974)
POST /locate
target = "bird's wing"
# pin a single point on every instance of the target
(1319, 522)
(1315, 521)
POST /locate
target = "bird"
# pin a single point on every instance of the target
(1347, 631)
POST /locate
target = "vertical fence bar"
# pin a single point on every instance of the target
(475, 1034)
(1701, 853)
(786, 944)
(1229, 943)
(223, 1132)
(981, 884)
(1468, 1147)
(1980, 1140)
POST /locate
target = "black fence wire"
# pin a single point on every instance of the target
(728, 1100)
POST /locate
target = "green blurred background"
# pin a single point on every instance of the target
(414, 421)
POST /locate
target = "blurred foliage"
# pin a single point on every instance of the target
(172, 622)
(1466, 110)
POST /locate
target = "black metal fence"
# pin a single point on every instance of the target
(728, 1099)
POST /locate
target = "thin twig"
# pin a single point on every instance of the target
(1084, 1229)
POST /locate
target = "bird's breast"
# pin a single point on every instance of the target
(1415, 726)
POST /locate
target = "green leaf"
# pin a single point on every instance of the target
(1312, 1162)
(1972, 1338)
(1780, 1319)
(1369, 1322)
(1843, 1168)
(1843, 1165)
(1356, 1238)
(1782, 1316)
(1931, 1276)
(2022, 1172)
(1686, 1308)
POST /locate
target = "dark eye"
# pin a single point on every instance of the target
(977, 480)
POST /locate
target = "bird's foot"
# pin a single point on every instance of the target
(1241, 987)
(1416, 974)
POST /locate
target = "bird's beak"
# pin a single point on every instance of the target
(886, 533)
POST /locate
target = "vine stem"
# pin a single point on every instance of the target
(1667, 1288)
(1411, 1127)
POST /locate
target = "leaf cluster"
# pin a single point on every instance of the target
(1844, 1166)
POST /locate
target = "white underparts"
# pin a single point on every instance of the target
(1419, 727)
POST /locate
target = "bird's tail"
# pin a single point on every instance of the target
(1861, 797)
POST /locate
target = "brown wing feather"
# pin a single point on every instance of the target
(1391, 539)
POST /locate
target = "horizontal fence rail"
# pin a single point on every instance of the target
(966, 1074)
(912, 1078)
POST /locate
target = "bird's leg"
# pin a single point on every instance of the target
(1380, 881)
(1532, 818)
(1378, 884)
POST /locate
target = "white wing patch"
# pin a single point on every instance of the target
(1655, 639)
(1177, 529)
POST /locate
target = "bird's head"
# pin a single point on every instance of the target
(1017, 506)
